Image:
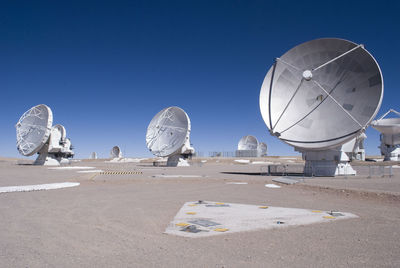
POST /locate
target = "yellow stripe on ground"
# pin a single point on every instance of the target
(221, 229)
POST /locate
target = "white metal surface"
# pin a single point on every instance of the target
(321, 94)
(168, 132)
(248, 143)
(388, 126)
(390, 135)
(33, 129)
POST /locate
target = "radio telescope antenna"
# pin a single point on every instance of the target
(261, 149)
(116, 152)
(35, 134)
(168, 136)
(320, 95)
(247, 147)
(390, 135)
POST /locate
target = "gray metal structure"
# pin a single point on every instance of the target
(320, 95)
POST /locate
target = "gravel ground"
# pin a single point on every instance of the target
(119, 220)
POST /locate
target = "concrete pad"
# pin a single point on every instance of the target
(38, 187)
(68, 168)
(235, 218)
(176, 176)
(285, 180)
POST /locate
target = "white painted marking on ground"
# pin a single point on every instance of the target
(177, 176)
(67, 168)
(203, 161)
(232, 182)
(272, 186)
(125, 160)
(288, 158)
(242, 161)
(240, 217)
(38, 187)
(90, 171)
(261, 163)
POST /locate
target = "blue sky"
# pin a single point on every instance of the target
(107, 67)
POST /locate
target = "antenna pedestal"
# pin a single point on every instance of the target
(177, 161)
(51, 159)
(390, 152)
(46, 159)
(327, 163)
(180, 160)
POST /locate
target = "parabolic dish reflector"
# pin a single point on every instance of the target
(387, 125)
(115, 152)
(321, 94)
(33, 129)
(248, 143)
(168, 131)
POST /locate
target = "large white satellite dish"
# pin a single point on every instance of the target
(35, 134)
(116, 152)
(247, 147)
(390, 135)
(320, 95)
(168, 135)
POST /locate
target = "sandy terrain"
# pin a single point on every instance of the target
(119, 220)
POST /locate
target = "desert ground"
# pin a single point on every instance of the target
(118, 217)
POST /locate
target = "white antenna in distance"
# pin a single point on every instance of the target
(390, 135)
(35, 134)
(168, 135)
(116, 152)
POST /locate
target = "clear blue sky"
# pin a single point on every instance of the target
(107, 67)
